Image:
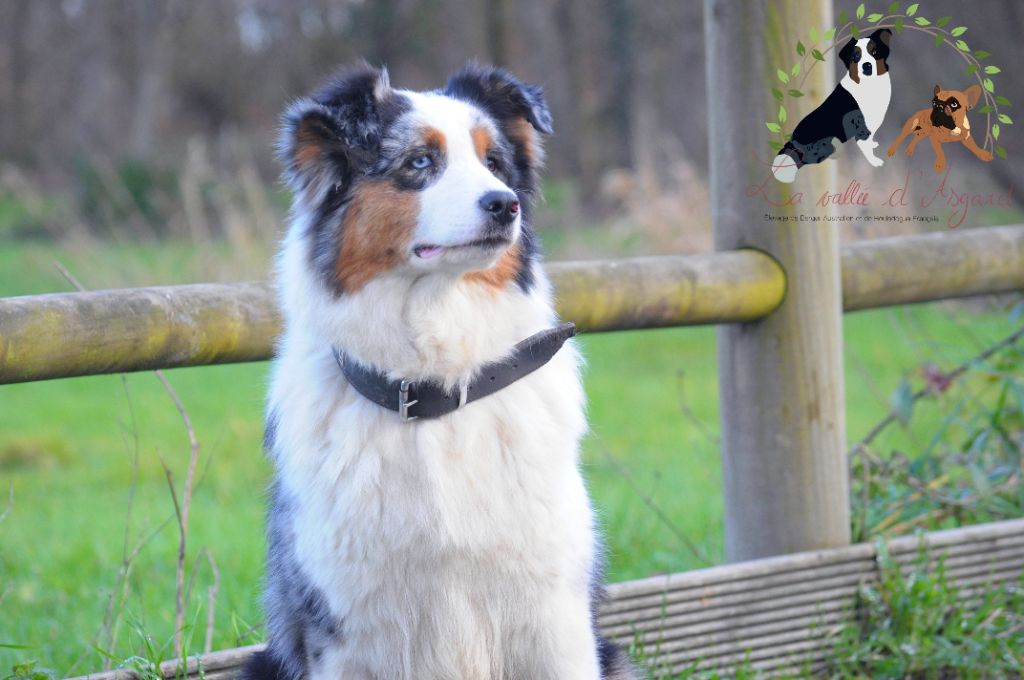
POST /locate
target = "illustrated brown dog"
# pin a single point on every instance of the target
(945, 122)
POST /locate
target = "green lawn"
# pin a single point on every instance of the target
(67, 448)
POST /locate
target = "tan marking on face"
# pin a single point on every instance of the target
(376, 231)
(522, 134)
(855, 71)
(501, 274)
(482, 142)
(434, 138)
(880, 67)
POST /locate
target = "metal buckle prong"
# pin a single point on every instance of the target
(404, 403)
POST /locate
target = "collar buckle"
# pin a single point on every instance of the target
(404, 403)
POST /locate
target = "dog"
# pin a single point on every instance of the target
(854, 110)
(427, 519)
(945, 122)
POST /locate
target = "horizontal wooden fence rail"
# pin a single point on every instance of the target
(71, 334)
(778, 614)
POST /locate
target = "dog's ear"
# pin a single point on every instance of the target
(846, 54)
(936, 91)
(330, 136)
(501, 95)
(973, 93)
(882, 35)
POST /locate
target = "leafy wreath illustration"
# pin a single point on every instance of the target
(896, 21)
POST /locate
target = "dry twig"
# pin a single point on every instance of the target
(950, 377)
(649, 502)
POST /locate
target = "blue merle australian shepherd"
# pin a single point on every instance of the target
(428, 519)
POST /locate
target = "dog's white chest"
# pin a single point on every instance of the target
(442, 530)
(872, 95)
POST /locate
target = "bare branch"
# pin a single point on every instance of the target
(182, 509)
(68, 276)
(649, 502)
(953, 375)
(211, 602)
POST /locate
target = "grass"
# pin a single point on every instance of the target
(917, 625)
(67, 446)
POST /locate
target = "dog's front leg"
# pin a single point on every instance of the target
(918, 136)
(563, 645)
(940, 158)
(908, 128)
(975, 149)
(867, 147)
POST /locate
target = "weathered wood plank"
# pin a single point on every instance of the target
(221, 664)
(649, 292)
(885, 272)
(776, 613)
(784, 470)
(108, 331)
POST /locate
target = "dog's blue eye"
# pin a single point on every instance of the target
(422, 162)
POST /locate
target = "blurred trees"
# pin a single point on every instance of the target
(116, 79)
(90, 84)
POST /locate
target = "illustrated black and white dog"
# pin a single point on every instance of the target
(854, 110)
(424, 524)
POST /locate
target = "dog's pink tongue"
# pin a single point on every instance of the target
(429, 252)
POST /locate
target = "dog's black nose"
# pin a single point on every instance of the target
(868, 67)
(503, 206)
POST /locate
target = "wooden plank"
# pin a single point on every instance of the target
(755, 648)
(737, 625)
(673, 602)
(53, 336)
(884, 272)
(650, 292)
(784, 467)
(745, 570)
(224, 663)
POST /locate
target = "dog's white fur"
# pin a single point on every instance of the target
(456, 548)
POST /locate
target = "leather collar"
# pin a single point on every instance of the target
(428, 399)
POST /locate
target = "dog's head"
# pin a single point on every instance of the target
(867, 57)
(416, 182)
(950, 107)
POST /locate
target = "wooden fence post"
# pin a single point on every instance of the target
(781, 378)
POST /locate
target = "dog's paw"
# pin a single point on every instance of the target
(875, 161)
(940, 166)
(891, 151)
(784, 168)
(985, 156)
(910, 151)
